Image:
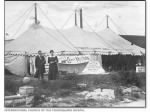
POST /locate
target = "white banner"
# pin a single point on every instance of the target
(73, 59)
(63, 61)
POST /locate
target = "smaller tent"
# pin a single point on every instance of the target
(127, 56)
(136, 39)
(120, 44)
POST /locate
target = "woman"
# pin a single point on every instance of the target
(53, 69)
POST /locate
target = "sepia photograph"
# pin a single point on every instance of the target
(75, 54)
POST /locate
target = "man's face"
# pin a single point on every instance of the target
(40, 53)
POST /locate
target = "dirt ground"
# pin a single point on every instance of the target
(138, 103)
(62, 92)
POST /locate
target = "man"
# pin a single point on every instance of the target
(40, 65)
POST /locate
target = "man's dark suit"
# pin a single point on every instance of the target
(40, 66)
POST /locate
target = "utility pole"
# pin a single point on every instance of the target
(35, 6)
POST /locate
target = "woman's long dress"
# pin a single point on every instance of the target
(53, 69)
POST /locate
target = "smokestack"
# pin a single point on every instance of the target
(81, 19)
(75, 17)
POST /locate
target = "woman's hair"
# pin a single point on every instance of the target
(51, 51)
(39, 51)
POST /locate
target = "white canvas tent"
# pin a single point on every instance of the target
(120, 44)
(23, 50)
(27, 44)
(72, 41)
(37, 38)
(81, 38)
(105, 42)
(88, 42)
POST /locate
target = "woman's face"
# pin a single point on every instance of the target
(52, 53)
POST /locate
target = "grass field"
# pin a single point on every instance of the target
(66, 86)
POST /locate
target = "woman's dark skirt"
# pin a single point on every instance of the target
(53, 72)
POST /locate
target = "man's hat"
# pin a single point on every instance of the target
(39, 51)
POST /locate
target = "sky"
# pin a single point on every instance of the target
(125, 17)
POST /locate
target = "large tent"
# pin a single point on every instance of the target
(72, 41)
(37, 37)
(22, 50)
(83, 45)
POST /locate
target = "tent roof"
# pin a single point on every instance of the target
(37, 38)
(86, 40)
(105, 41)
(72, 39)
(119, 43)
(136, 39)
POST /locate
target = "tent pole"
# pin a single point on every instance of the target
(75, 17)
(81, 21)
(27, 65)
(35, 6)
(107, 21)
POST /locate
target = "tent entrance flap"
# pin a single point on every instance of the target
(16, 64)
